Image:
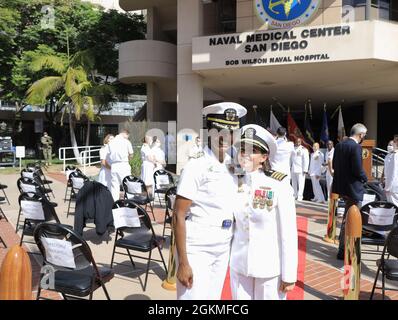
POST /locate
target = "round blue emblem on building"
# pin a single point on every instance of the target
(285, 14)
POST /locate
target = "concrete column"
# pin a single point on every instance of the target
(189, 84)
(154, 103)
(153, 24)
(368, 10)
(370, 118)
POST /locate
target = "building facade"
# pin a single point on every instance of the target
(257, 52)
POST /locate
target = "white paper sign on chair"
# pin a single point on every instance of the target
(163, 179)
(32, 209)
(59, 252)
(126, 217)
(28, 187)
(27, 174)
(381, 216)
(77, 182)
(134, 187)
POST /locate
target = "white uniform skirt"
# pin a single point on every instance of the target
(105, 178)
(147, 170)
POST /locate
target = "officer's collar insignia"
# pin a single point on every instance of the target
(230, 114)
(250, 133)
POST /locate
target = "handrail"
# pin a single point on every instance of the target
(89, 149)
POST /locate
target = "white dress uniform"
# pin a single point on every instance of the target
(265, 244)
(104, 175)
(159, 156)
(317, 159)
(147, 167)
(282, 159)
(329, 177)
(391, 177)
(211, 187)
(119, 150)
(300, 163)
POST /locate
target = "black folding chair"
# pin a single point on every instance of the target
(163, 181)
(2, 214)
(373, 232)
(80, 280)
(2, 188)
(30, 185)
(136, 191)
(387, 266)
(76, 180)
(37, 168)
(170, 199)
(43, 211)
(140, 238)
(68, 171)
(32, 173)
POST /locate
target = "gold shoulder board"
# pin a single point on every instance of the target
(275, 175)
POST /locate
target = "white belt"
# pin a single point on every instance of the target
(210, 222)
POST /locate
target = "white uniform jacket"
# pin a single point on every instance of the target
(265, 240)
(281, 161)
(391, 172)
(300, 160)
(211, 187)
(317, 160)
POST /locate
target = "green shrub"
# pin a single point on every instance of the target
(135, 163)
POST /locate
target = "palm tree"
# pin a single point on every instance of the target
(71, 83)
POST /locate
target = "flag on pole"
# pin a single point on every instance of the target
(340, 126)
(309, 134)
(325, 129)
(273, 122)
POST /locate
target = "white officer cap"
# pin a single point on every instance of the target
(258, 136)
(223, 115)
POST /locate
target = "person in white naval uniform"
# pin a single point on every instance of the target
(391, 173)
(203, 214)
(329, 166)
(315, 172)
(300, 162)
(104, 175)
(264, 254)
(120, 152)
(281, 161)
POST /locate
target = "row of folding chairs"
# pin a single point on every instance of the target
(134, 233)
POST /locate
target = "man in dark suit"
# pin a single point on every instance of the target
(349, 177)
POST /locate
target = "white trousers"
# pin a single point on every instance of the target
(392, 197)
(209, 267)
(329, 181)
(298, 182)
(119, 171)
(317, 189)
(249, 288)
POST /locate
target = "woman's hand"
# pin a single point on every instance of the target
(185, 275)
(286, 286)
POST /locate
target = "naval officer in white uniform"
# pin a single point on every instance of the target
(329, 166)
(282, 159)
(120, 151)
(300, 162)
(264, 254)
(315, 172)
(204, 206)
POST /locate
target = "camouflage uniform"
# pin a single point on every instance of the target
(46, 144)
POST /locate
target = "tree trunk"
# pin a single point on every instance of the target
(73, 139)
(88, 132)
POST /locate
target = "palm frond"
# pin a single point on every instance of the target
(78, 104)
(40, 90)
(84, 59)
(89, 107)
(48, 62)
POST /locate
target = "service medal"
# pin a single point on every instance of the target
(270, 199)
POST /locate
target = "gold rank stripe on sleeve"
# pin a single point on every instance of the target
(276, 175)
